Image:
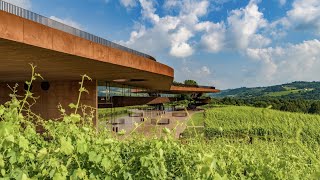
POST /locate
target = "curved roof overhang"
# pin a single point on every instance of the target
(181, 90)
(63, 56)
(190, 89)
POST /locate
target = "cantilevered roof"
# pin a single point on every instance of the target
(192, 89)
(181, 90)
(62, 52)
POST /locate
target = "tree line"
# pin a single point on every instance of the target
(282, 104)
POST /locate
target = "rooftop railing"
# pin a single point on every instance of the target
(10, 8)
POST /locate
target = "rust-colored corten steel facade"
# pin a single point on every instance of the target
(181, 90)
(61, 58)
(62, 55)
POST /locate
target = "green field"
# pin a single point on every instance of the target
(196, 119)
(262, 141)
(260, 122)
(235, 143)
(283, 93)
(106, 114)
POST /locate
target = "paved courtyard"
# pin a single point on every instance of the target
(149, 122)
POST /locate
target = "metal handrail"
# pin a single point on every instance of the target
(18, 11)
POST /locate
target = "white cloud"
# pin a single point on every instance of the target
(285, 64)
(244, 24)
(67, 21)
(305, 15)
(168, 33)
(282, 2)
(195, 8)
(148, 10)
(172, 3)
(128, 3)
(179, 45)
(205, 70)
(258, 41)
(26, 4)
(196, 74)
(181, 50)
(214, 38)
(174, 33)
(245, 31)
(241, 31)
(203, 74)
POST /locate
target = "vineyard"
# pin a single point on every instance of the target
(260, 143)
(261, 123)
(237, 143)
(70, 149)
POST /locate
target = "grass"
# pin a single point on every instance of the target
(283, 93)
(197, 119)
(276, 150)
(105, 114)
(288, 91)
(237, 121)
(262, 159)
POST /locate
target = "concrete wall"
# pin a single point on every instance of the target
(63, 92)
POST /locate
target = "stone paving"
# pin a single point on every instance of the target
(150, 122)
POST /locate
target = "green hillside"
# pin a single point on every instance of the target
(294, 90)
(260, 143)
(261, 123)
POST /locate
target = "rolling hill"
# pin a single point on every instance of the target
(294, 90)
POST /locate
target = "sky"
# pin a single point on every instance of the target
(224, 43)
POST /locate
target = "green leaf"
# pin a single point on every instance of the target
(66, 146)
(3, 172)
(83, 90)
(94, 157)
(166, 130)
(24, 177)
(42, 153)
(23, 142)
(6, 129)
(80, 173)
(13, 157)
(106, 163)
(72, 106)
(58, 176)
(1, 161)
(1, 110)
(82, 146)
(10, 138)
(122, 132)
(75, 118)
(31, 156)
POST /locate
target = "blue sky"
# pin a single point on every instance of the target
(226, 43)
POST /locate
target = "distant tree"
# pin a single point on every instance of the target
(276, 88)
(260, 104)
(176, 83)
(190, 82)
(315, 108)
(184, 97)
